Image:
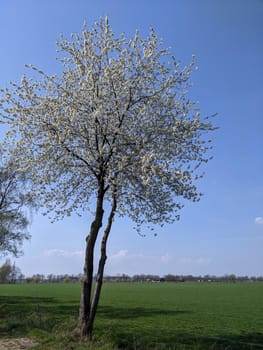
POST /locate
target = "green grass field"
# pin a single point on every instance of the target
(138, 316)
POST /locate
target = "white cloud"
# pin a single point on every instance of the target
(59, 261)
(259, 220)
(55, 261)
(120, 254)
(131, 263)
(124, 261)
(123, 254)
(60, 252)
(165, 259)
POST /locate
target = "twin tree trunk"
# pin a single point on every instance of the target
(89, 301)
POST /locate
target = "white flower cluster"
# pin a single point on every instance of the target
(117, 117)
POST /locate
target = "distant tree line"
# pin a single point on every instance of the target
(181, 278)
(10, 273)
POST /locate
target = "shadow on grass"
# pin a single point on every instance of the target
(26, 305)
(112, 312)
(145, 331)
(21, 315)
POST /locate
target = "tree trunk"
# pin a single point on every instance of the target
(103, 258)
(85, 301)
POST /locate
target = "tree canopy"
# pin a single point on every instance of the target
(119, 111)
(115, 126)
(9, 273)
(13, 218)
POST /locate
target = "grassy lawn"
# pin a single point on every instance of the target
(138, 316)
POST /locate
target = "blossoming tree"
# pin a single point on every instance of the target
(116, 126)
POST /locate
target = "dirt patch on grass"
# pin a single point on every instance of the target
(16, 344)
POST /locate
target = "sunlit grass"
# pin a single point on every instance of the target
(138, 316)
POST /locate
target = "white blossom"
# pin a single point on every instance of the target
(118, 112)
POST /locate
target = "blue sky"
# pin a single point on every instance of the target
(224, 232)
